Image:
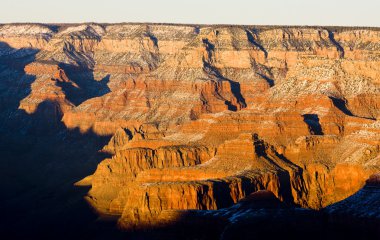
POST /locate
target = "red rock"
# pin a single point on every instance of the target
(203, 117)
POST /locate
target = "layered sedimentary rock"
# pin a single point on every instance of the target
(203, 116)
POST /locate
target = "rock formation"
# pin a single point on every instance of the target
(203, 116)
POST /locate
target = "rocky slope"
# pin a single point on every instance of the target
(199, 117)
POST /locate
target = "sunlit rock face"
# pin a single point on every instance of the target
(203, 116)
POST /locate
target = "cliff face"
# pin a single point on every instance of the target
(203, 116)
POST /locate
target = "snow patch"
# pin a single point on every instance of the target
(94, 30)
(27, 29)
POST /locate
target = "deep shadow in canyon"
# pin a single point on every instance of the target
(40, 162)
(86, 85)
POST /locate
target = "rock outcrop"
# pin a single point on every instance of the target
(203, 116)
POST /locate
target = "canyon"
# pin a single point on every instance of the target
(211, 127)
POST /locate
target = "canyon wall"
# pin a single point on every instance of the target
(203, 116)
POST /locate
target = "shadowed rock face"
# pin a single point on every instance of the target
(196, 118)
(360, 209)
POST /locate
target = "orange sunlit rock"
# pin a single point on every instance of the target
(202, 117)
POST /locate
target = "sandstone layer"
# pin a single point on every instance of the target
(203, 116)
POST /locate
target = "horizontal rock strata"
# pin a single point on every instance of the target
(203, 116)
